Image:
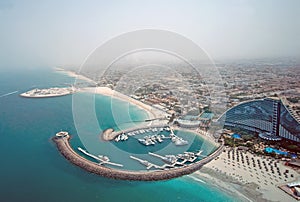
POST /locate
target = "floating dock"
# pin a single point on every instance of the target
(145, 163)
(101, 159)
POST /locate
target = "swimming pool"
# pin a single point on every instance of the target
(237, 136)
(270, 150)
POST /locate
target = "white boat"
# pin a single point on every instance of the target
(163, 136)
(159, 139)
(117, 139)
(146, 141)
(170, 159)
(153, 138)
(123, 137)
(143, 141)
(199, 153)
(181, 142)
(104, 158)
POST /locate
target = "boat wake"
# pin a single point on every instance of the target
(7, 94)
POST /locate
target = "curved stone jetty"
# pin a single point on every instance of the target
(66, 150)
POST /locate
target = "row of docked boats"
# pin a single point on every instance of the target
(153, 139)
(171, 161)
(147, 130)
(178, 141)
(122, 137)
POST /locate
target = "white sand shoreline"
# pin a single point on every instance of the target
(254, 183)
(74, 75)
(229, 185)
(152, 112)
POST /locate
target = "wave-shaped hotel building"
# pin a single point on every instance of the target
(269, 117)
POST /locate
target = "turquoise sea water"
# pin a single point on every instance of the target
(33, 170)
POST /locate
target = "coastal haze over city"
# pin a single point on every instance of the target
(109, 101)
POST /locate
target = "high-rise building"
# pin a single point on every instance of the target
(267, 115)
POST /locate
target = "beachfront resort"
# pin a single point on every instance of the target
(257, 149)
(261, 147)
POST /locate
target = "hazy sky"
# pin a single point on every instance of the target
(57, 32)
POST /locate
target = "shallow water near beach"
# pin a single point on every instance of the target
(33, 170)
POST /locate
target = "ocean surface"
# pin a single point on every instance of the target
(33, 170)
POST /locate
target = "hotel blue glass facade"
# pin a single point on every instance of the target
(264, 115)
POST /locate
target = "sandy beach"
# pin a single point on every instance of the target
(74, 75)
(256, 178)
(152, 112)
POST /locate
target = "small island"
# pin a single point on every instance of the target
(48, 92)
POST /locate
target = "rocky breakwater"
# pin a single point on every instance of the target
(66, 150)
